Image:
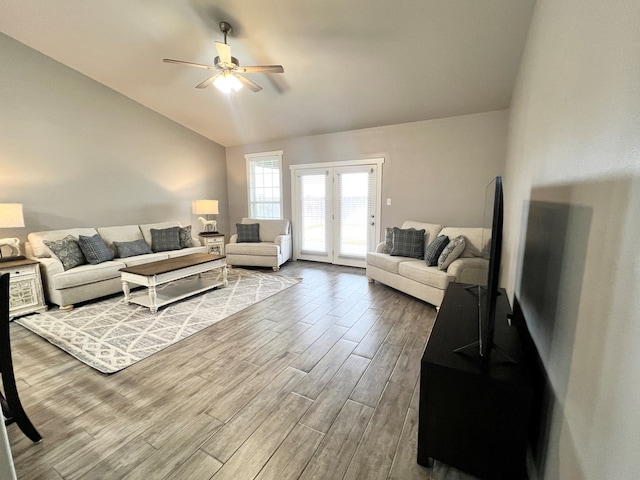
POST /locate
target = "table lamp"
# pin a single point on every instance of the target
(11, 217)
(206, 208)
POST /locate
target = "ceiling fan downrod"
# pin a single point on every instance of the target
(225, 28)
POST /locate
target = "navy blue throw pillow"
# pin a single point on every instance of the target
(248, 232)
(434, 249)
(408, 243)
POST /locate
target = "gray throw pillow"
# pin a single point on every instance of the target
(408, 243)
(185, 237)
(165, 239)
(94, 249)
(388, 240)
(67, 250)
(131, 249)
(248, 232)
(452, 251)
(434, 249)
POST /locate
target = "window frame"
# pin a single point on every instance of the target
(253, 159)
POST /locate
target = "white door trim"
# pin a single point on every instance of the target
(330, 165)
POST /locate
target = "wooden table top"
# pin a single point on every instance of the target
(171, 264)
(20, 262)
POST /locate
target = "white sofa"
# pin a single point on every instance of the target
(273, 249)
(414, 277)
(87, 282)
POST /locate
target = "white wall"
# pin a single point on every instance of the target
(574, 163)
(76, 153)
(434, 171)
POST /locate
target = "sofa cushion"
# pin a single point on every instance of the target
(388, 240)
(451, 252)
(67, 250)
(408, 243)
(40, 250)
(432, 230)
(130, 249)
(248, 232)
(419, 271)
(121, 233)
(385, 261)
(434, 249)
(146, 229)
(473, 237)
(94, 249)
(142, 259)
(165, 239)
(86, 274)
(185, 237)
(270, 228)
(253, 248)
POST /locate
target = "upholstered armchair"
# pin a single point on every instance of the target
(260, 243)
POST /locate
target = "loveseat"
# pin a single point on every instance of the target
(260, 243)
(414, 277)
(68, 279)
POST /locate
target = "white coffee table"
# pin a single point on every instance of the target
(154, 274)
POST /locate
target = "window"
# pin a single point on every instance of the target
(264, 184)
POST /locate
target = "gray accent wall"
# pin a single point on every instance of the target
(76, 153)
(434, 171)
(572, 223)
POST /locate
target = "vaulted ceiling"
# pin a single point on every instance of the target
(349, 64)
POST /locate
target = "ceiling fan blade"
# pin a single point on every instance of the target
(190, 64)
(208, 81)
(261, 69)
(253, 86)
(224, 52)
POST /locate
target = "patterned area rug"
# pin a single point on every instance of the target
(109, 335)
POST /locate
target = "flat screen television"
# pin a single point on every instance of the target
(493, 219)
(488, 293)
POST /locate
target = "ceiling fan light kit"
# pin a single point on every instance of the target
(227, 83)
(228, 78)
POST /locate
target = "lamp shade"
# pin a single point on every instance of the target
(204, 207)
(11, 215)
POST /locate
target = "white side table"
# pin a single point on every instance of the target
(25, 287)
(214, 242)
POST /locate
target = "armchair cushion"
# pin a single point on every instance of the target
(271, 228)
(248, 232)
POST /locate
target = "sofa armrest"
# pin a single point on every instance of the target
(285, 244)
(50, 266)
(282, 239)
(234, 238)
(469, 270)
(380, 247)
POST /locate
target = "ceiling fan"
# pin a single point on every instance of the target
(227, 77)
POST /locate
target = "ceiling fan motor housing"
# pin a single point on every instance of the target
(234, 60)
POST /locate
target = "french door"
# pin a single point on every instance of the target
(335, 209)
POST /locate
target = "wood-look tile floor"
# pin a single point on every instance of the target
(317, 382)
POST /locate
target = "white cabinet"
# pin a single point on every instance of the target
(214, 242)
(25, 287)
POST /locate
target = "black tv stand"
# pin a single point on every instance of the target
(474, 411)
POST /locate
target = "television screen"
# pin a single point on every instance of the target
(487, 295)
